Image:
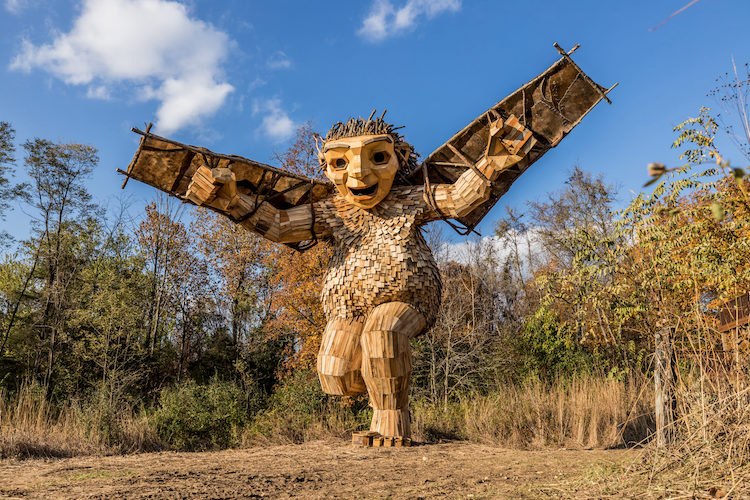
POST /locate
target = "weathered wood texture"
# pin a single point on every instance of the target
(664, 386)
(183, 171)
(373, 439)
(379, 256)
(734, 313)
(550, 105)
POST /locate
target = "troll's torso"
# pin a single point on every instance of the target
(380, 256)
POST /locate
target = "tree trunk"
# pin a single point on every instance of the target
(664, 386)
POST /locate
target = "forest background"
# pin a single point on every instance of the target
(176, 332)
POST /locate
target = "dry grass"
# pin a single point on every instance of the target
(578, 413)
(274, 427)
(710, 453)
(31, 427)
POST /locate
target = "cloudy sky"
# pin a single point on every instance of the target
(238, 76)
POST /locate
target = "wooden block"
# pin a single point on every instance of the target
(222, 174)
(357, 438)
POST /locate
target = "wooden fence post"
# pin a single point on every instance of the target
(664, 386)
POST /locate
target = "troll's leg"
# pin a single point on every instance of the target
(340, 358)
(386, 365)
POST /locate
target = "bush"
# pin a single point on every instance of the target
(198, 417)
(299, 411)
(550, 348)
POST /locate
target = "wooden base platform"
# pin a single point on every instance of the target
(371, 439)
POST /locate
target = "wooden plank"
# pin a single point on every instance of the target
(183, 168)
(734, 313)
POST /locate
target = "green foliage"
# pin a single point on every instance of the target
(299, 407)
(8, 191)
(300, 393)
(199, 417)
(698, 134)
(550, 347)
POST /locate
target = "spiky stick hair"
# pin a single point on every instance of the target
(359, 126)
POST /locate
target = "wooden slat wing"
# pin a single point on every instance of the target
(170, 166)
(550, 105)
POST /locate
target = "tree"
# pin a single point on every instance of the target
(63, 208)
(467, 349)
(554, 254)
(163, 239)
(8, 191)
(301, 158)
(237, 259)
(583, 206)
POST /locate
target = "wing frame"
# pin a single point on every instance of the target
(169, 166)
(540, 105)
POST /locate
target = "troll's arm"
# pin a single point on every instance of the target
(509, 142)
(217, 189)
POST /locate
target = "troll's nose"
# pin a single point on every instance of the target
(355, 168)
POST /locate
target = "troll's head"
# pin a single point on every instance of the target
(362, 157)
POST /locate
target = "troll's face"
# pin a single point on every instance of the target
(361, 167)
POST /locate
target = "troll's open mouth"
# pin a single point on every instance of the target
(364, 191)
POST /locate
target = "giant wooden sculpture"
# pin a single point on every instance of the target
(383, 286)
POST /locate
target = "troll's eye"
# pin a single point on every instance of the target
(380, 158)
(338, 163)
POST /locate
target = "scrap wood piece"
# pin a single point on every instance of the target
(371, 439)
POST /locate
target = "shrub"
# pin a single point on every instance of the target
(199, 417)
(299, 411)
(551, 348)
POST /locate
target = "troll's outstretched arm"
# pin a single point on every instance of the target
(217, 188)
(509, 142)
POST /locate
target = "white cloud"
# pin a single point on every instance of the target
(385, 20)
(276, 123)
(279, 60)
(153, 45)
(461, 250)
(257, 83)
(16, 6)
(99, 92)
(375, 25)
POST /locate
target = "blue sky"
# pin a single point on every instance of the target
(237, 76)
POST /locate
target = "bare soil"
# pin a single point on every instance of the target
(323, 470)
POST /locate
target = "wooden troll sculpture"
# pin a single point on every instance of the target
(383, 287)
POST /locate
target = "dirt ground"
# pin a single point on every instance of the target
(322, 470)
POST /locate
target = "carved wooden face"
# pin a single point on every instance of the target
(362, 168)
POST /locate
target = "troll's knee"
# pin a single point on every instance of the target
(339, 376)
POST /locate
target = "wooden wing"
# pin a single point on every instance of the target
(550, 105)
(183, 171)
